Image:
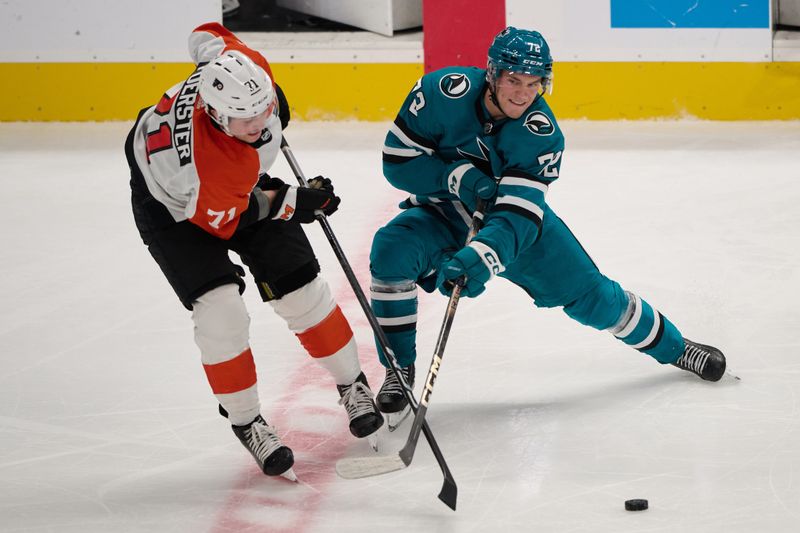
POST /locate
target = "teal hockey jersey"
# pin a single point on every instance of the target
(444, 131)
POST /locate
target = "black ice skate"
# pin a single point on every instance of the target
(705, 361)
(365, 419)
(263, 442)
(391, 400)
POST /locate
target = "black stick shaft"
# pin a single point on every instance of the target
(449, 491)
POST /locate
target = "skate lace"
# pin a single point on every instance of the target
(391, 384)
(263, 440)
(357, 400)
(694, 358)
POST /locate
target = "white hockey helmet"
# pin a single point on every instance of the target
(235, 87)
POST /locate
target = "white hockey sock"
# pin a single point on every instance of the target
(312, 314)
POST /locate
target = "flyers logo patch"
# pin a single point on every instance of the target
(539, 124)
(288, 211)
(454, 85)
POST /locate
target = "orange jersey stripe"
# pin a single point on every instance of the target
(228, 171)
(328, 337)
(234, 375)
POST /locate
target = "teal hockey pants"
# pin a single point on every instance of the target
(555, 272)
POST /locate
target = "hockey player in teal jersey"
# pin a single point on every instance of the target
(465, 133)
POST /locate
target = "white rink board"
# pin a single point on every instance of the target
(101, 30)
(580, 30)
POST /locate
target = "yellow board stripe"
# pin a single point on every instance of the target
(85, 91)
(711, 91)
(358, 91)
(117, 91)
(367, 91)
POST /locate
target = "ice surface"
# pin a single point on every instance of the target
(107, 423)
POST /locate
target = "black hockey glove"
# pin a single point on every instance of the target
(268, 183)
(321, 183)
(302, 203)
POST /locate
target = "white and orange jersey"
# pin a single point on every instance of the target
(190, 165)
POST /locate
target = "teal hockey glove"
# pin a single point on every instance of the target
(469, 183)
(466, 263)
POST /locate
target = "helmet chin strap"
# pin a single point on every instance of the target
(215, 117)
(493, 98)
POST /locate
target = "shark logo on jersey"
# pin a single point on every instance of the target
(454, 85)
(539, 123)
(481, 161)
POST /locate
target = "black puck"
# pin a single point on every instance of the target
(635, 505)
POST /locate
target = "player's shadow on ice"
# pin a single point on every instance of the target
(633, 394)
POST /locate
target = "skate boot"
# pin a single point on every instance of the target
(391, 400)
(263, 442)
(365, 419)
(705, 361)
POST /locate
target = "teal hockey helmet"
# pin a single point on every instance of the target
(520, 51)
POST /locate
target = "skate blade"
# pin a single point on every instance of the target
(393, 420)
(373, 440)
(290, 475)
(731, 377)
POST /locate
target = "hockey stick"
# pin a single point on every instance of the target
(372, 466)
(449, 491)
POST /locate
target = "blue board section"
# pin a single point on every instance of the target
(690, 14)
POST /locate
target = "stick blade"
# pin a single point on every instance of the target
(449, 493)
(361, 467)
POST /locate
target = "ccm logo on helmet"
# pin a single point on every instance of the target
(539, 124)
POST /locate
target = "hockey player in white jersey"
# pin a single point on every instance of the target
(200, 188)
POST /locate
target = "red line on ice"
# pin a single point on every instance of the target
(260, 504)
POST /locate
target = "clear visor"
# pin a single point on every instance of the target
(543, 84)
(224, 120)
(256, 109)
